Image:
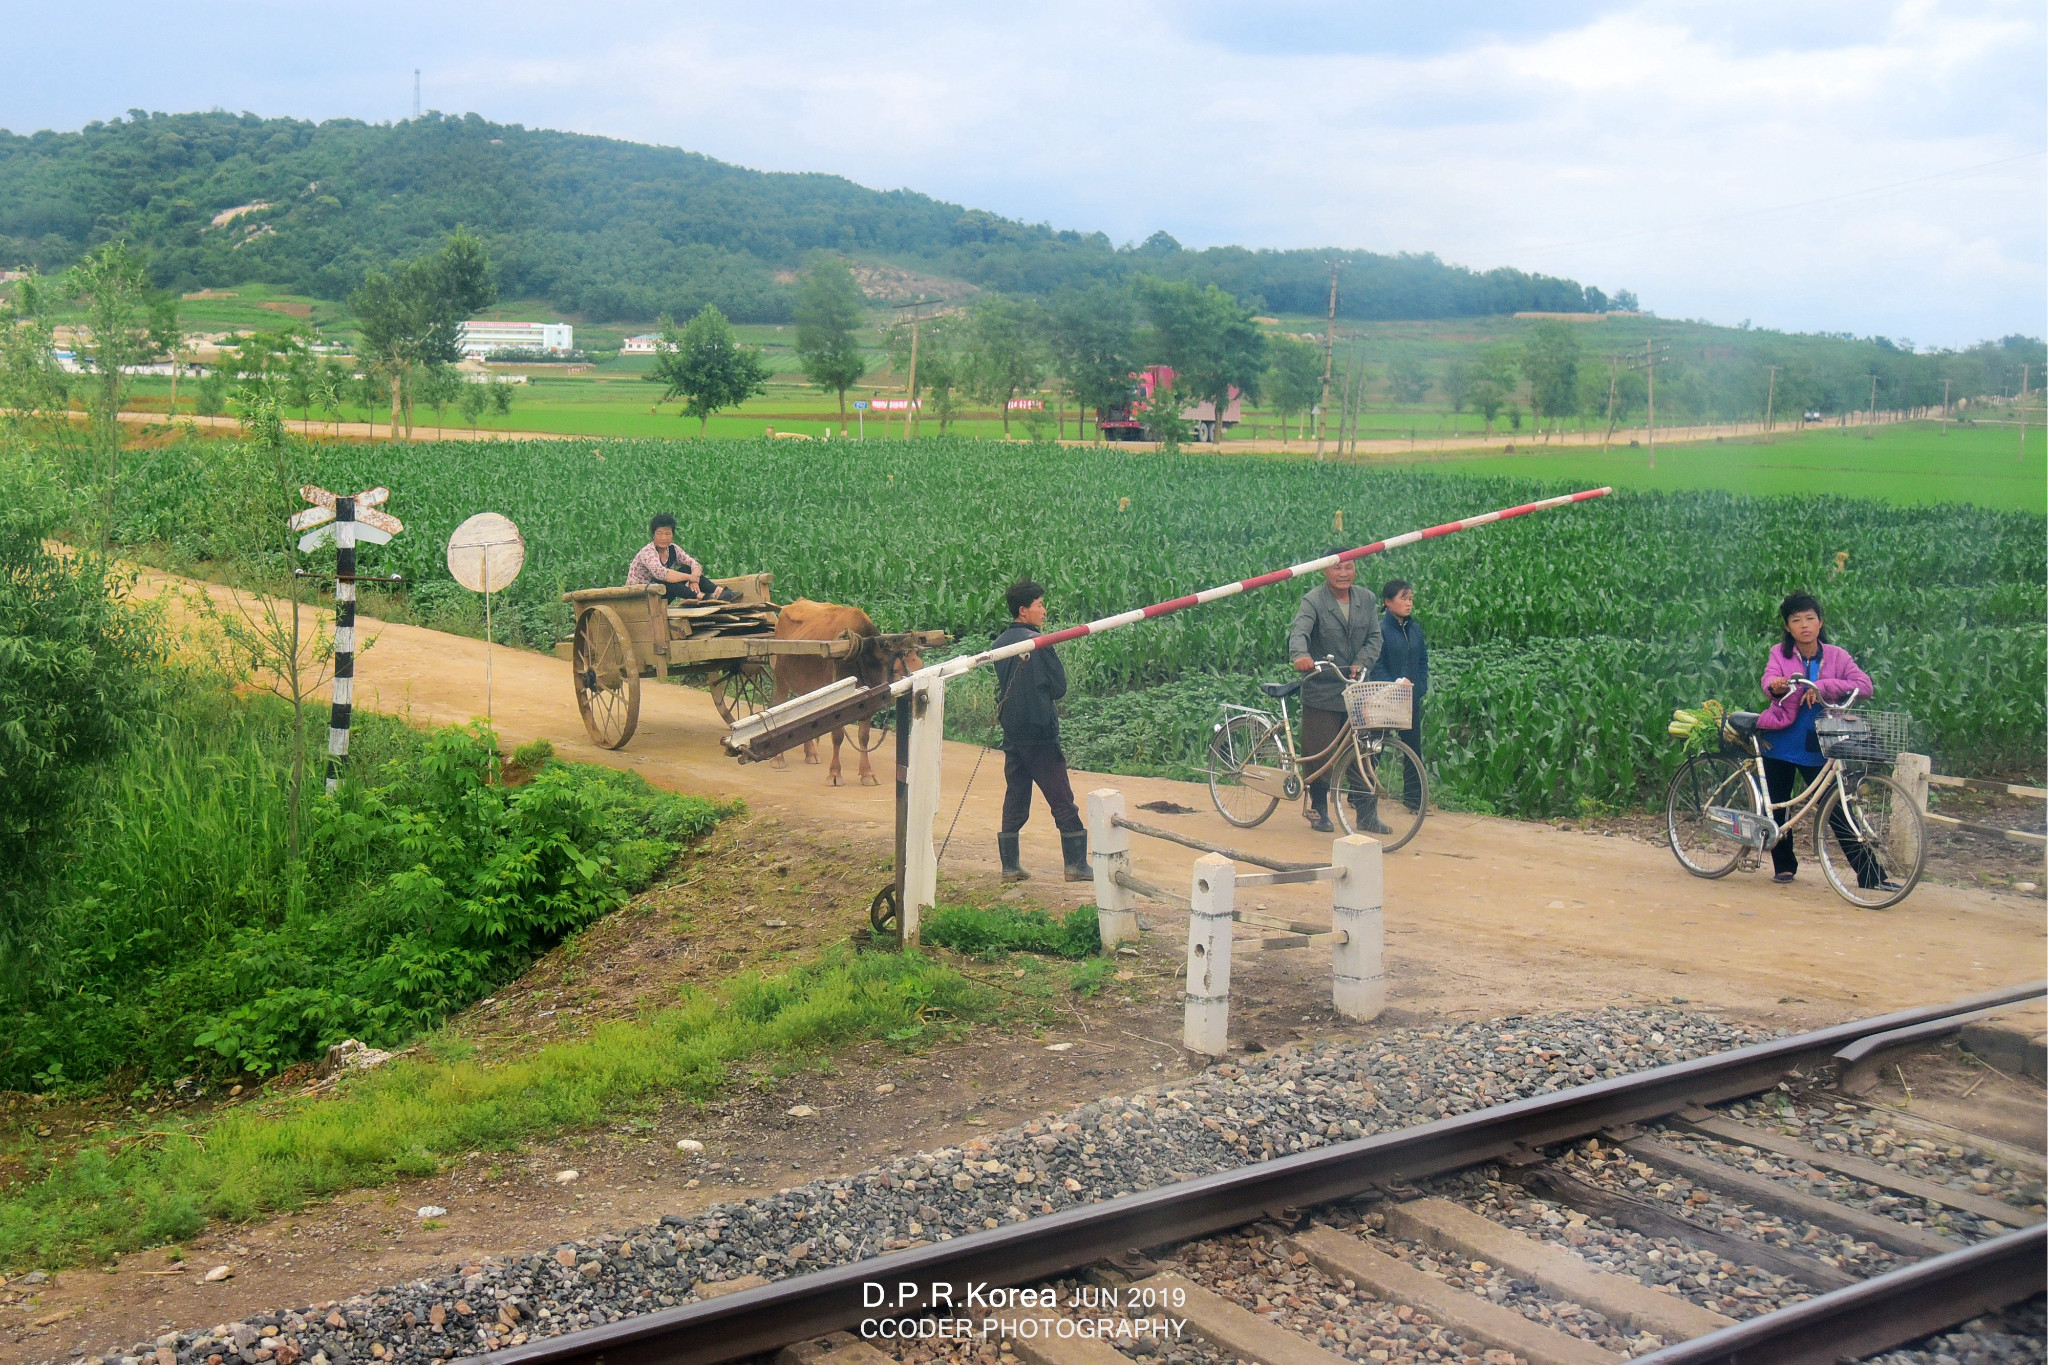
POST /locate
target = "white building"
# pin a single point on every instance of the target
(639, 345)
(488, 338)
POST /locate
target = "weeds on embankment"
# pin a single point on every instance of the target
(132, 1190)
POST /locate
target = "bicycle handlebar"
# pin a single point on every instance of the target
(1842, 705)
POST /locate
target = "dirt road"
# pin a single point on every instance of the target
(1483, 914)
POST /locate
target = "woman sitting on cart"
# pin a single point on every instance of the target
(663, 561)
(1785, 733)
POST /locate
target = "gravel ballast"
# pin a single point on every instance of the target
(1296, 1099)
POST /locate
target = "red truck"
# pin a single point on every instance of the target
(1126, 421)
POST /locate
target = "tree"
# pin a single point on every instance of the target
(475, 398)
(829, 314)
(35, 397)
(938, 364)
(1407, 380)
(1163, 416)
(1493, 381)
(413, 316)
(1294, 379)
(331, 391)
(1208, 338)
(1000, 355)
(501, 397)
(127, 323)
(439, 386)
(704, 365)
(1092, 335)
(1550, 358)
(1457, 384)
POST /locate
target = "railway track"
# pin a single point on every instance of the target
(1627, 1218)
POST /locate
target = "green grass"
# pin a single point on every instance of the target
(409, 1118)
(1002, 929)
(1911, 464)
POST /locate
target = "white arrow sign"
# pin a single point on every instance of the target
(366, 534)
(311, 517)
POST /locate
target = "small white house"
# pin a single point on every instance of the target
(639, 345)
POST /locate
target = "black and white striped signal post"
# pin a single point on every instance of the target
(342, 521)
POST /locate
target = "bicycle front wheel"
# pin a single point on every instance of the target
(1698, 844)
(1247, 763)
(1880, 842)
(1382, 791)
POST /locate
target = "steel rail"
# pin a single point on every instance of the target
(800, 1307)
(1880, 1313)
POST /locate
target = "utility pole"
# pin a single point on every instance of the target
(415, 92)
(1771, 396)
(1870, 429)
(916, 308)
(1329, 353)
(1613, 381)
(1650, 364)
(2024, 375)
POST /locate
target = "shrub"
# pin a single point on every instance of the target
(1001, 929)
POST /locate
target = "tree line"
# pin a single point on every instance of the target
(602, 229)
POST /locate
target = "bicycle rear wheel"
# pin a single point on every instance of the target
(1246, 760)
(1382, 786)
(1881, 867)
(1706, 780)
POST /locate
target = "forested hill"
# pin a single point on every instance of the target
(603, 229)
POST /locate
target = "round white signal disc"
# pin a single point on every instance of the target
(486, 552)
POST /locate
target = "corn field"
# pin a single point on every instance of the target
(1560, 643)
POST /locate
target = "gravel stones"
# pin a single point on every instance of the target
(1292, 1100)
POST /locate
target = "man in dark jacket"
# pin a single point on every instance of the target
(1026, 689)
(1333, 622)
(1404, 653)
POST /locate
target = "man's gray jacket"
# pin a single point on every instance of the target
(1321, 631)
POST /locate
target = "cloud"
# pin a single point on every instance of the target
(1613, 142)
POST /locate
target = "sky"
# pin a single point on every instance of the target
(1873, 167)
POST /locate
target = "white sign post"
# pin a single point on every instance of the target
(342, 521)
(484, 555)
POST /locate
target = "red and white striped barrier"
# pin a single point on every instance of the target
(966, 663)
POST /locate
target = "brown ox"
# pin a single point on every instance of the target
(796, 674)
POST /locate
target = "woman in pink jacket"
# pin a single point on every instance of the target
(1785, 731)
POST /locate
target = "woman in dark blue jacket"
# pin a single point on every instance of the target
(1404, 653)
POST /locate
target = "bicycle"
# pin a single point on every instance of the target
(1253, 764)
(1719, 804)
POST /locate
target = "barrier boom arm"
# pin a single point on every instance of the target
(967, 663)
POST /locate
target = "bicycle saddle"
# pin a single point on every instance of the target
(1279, 690)
(1743, 722)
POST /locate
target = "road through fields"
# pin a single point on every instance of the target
(1483, 914)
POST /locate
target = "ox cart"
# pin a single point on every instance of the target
(626, 634)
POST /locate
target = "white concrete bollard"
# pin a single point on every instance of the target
(1205, 1024)
(1358, 976)
(1911, 771)
(927, 749)
(1109, 852)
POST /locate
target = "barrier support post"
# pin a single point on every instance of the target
(1358, 979)
(1109, 852)
(1911, 771)
(927, 748)
(1205, 1023)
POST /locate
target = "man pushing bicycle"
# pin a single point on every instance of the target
(1335, 623)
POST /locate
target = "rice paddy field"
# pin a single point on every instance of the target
(1561, 643)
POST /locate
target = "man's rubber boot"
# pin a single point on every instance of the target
(1368, 808)
(1075, 848)
(1006, 849)
(1319, 814)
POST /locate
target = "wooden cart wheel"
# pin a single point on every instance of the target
(607, 677)
(742, 690)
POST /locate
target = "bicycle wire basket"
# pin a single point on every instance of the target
(1863, 736)
(1380, 705)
